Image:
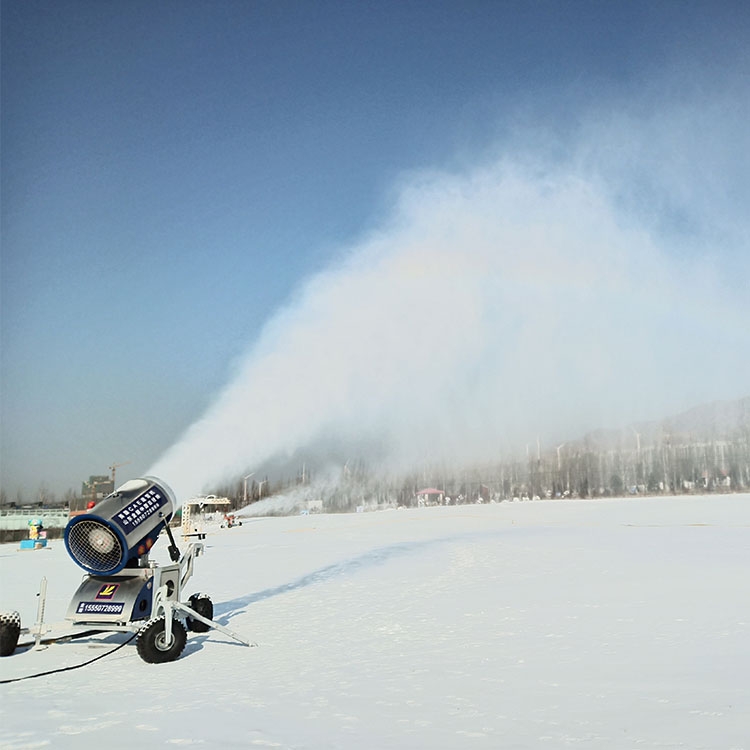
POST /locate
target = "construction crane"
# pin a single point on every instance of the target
(112, 469)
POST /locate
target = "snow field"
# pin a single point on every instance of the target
(600, 624)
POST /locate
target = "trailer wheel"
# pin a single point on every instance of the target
(152, 644)
(203, 605)
(10, 629)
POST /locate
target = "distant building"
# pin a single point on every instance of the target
(97, 487)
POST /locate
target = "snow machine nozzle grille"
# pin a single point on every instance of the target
(121, 528)
(94, 546)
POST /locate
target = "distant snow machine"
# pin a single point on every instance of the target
(124, 591)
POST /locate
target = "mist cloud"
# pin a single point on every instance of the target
(533, 295)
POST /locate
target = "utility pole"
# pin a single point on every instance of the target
(245, 492)
(559, 447)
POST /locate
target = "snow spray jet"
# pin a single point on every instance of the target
(521, 299)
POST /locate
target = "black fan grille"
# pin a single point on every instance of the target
(95, 546)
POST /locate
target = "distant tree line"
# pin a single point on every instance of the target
(576, 470)
(42, 498)
(580, 470)
(590, 472)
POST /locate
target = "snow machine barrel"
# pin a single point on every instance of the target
(121, 528)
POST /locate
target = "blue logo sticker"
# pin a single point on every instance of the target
(107, 591)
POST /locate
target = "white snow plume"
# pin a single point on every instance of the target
(298, 498)
(283, 504)
(333, 489)
(515, 300)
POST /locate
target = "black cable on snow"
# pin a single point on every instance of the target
(74, 666)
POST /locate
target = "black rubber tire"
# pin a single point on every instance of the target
(151, 644)
(10, 629)
(203, 605)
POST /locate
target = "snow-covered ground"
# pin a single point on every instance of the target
(597, 624)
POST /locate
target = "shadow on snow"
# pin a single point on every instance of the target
(227, 610)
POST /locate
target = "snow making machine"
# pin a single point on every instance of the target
(123, 589)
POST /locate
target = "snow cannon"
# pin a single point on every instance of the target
(124, 591)
(119, 531)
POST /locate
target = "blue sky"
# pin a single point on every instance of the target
(173, 172)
